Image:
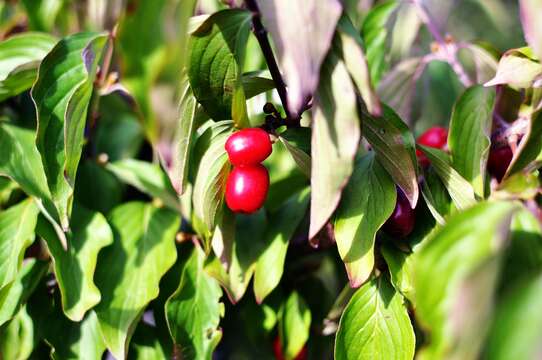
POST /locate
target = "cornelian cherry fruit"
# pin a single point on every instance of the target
(248, 147)
(498, 161)
(401, 222)
(277, 350)
(435, 137)
(246, 188)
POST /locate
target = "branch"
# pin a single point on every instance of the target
(261, 35)
(448, 50)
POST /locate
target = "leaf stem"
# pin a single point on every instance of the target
(261, 35)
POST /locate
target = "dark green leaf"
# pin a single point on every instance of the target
(455, 276)
(61, 105)
(42, 13)
(217, 51)
(368, 201)
(257, 82)
(280, 229)
(74, 267)
(460, 190)
(294, 325)
(375, 35)
(147, 178)
(375, 325)
(20, 56)
(146, 345)
(13, 296)
(129, 271)
(395, 149)
(335, 140)
(470, 131)
(16, 234)
(193, 311)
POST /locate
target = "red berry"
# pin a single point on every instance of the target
(401, 221)
(277, 350)
(498, 162)
(248, 147)
(246, 188)
(435, 137)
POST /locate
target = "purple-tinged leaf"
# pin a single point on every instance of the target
(335, 139)
(530, 12)
(302, 32)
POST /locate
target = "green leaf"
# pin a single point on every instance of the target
(398, 87)
(401, 267)
(75, 340)
(351, 47)
(469, 137)
(92, 179)
(210, 180)
(530, 14)
(17, 339)
(280, 229)
(42, 14)
(182, 142)
(217, 51)
(460, 190)
(193, 311)
(257, 82)
(395, 148)
(17, 226)
(455, 276)
(301, 158)
(517, 68)
(147, 178)
(13, 296)
(74, 267)
(436, 196)
(302, 32)
(530, 148)
(294, 325)
(515, 332)
(20, 56)
(146, 345)
(129, 271)
(21, 162)
(375, 35)
(368, 201)
(335, 140)
(61, 94)
(375, 325)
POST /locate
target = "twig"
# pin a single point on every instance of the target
(261, 35)
(447, 50)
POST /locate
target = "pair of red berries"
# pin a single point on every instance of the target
(248, 182)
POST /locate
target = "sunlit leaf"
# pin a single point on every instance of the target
(20, 56)
(61, 94)
(531, 15)
(469, 137)
(128, 272)
(302, 32)
(368, 201)
(193, 312)
(518, 68)
(375, 325)
(294, 325)
(335, 139)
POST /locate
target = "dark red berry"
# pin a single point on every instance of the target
(401, 222)
(435, 137)
(246, 188)
(498, 161)
(248, 147)
(277, 350)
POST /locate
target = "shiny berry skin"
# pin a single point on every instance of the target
(435, 137)
(246, 188)
(498, 161)
(277, 350)
(401, 222)
(248, 147)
